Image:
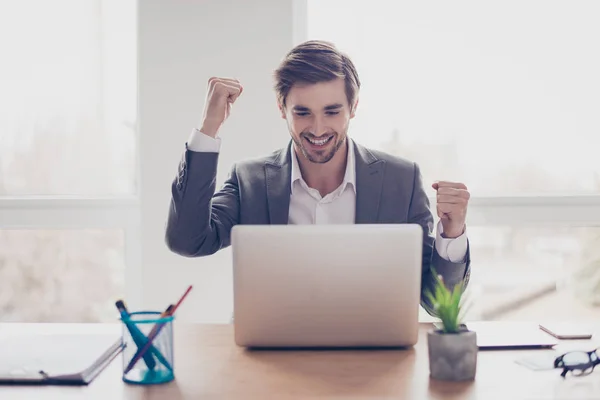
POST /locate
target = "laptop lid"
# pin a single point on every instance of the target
(326, 285)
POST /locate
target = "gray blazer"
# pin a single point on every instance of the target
(388, 190)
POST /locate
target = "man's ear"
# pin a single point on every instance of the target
(353, 110)
(281, 110)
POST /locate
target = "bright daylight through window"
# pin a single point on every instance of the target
(506, 102)
(67, 130)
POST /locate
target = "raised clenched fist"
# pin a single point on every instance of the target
(222, 93)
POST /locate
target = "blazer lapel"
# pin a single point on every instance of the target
(369, 183)
(278, 175)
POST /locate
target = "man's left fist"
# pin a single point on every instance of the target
(452, 200)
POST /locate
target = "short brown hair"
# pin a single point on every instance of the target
(312, 62)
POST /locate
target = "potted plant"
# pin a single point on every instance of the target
(452, 346)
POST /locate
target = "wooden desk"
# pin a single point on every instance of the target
(208, 365)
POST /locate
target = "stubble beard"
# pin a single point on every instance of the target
(319, 157)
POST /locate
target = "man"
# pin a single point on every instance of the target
(322, 177)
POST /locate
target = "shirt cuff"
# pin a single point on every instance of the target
(203, 143)
(453, 250)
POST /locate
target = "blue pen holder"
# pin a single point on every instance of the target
(154, 362)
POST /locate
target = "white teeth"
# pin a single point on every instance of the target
(320, 142)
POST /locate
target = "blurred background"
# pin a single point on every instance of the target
(99, 96)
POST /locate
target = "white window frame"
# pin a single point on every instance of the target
(542, 210)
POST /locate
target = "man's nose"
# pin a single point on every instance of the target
(319, 127)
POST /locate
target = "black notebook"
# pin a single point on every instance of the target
(57, 358)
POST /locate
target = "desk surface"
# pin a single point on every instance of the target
(208, 365)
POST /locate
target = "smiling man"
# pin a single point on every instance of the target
(322, 177)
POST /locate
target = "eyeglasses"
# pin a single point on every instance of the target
(579, 363)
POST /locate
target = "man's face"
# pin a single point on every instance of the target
(318, 116)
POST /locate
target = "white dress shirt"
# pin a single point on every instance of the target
(307, 206)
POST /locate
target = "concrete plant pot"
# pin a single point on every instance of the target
(452, 356)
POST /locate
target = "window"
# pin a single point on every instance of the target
(68, 158)
(504, 98)
(68, 98)
(46, 273)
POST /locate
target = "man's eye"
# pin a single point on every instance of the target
(333, 112)
(301, 114)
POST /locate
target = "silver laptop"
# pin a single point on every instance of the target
(326, 285)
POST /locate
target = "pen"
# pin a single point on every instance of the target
(137, 335)
(156, 330)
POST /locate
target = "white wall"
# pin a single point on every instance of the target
(182, 43)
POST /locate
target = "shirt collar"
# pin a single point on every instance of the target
(349, 176)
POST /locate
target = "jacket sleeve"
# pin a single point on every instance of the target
(199, 221)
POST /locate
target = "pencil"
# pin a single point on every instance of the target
(170, 311)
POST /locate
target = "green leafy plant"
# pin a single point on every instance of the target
(447, 305)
